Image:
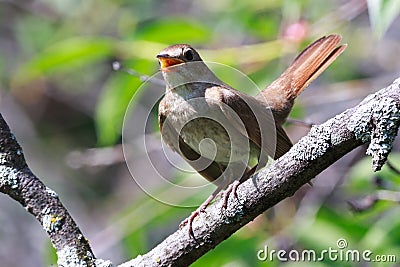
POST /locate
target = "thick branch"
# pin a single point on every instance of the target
(375, 120)
(17, 181)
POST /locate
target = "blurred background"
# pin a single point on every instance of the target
(66, 105)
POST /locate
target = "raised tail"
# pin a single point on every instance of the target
(306, 67)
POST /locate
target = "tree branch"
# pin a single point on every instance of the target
(17, 181)
(375, 120)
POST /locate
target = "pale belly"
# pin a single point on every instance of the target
(211, 140)
(206, 130)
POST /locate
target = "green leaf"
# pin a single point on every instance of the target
(111, 107)
(173, 30)
(67, 54)
(117, 93)
(381, 14)
(263, 24)
(361, 176)
(136, 243)
(382, 235)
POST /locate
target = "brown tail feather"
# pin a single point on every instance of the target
(314, 59)
(306, 67)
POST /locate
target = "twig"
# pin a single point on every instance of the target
(392, 167)
(117, 66)
(300, 122)
(366, 202)
(95, 157)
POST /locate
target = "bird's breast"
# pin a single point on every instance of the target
(202, 125)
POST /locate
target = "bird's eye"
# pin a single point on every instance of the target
(188, 54)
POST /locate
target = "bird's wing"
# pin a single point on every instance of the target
(251, 119)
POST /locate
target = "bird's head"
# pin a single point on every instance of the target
(177, 54)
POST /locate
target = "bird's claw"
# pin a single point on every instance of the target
(189, 220)
(225, 194)
(232, 188)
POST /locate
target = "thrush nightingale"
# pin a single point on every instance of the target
(222, 133)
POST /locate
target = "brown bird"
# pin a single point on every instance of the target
(222, 133)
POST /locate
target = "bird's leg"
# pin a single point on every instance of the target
(231, 189)
(202, 208)
(233, 186)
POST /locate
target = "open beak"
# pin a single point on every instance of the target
(168, 61)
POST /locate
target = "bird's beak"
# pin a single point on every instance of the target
(168, 61)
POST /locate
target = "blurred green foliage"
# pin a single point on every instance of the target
(62, 60)
(382, 13)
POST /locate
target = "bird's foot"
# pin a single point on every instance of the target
(189, 220)
(230, 190)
